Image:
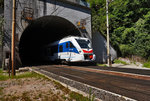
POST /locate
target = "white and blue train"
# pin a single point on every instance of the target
(69, 49)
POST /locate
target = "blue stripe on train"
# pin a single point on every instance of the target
(67, 49)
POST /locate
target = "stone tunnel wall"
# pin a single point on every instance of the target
(67, 10)
(39, 8)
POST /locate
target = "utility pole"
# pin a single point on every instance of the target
(13, 38)
(108, 49)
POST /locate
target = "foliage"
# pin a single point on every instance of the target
(4, 75)
(103, 65)
(79, 97)
(147, 64)
(120, 62)
(98, 15)
(142, 42)
(126, 50)
(129, 25)
(27, 75)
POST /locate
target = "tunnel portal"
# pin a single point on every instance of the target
(40, 32)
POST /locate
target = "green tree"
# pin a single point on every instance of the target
(142, 42)
(129, 25)
(98, 15)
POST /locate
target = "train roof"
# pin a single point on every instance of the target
(68, 38)
(77, 37)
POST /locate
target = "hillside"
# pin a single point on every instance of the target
(129, 25)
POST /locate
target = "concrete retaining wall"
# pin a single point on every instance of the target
(100, 48)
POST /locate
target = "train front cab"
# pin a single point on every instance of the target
(76, 50)
(86, 49)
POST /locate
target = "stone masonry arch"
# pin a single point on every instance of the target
(33, 15)
(47, 29)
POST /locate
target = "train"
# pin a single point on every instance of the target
(69, 49)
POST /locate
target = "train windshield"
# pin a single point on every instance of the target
(84, 43)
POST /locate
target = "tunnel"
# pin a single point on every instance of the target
(41, 32)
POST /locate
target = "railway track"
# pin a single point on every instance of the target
(143, 71)
(133, 84)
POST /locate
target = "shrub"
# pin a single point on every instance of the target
(147, 64)
(120, 62)
(126, 50)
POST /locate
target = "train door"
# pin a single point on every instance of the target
(66, 51)
(71, 51)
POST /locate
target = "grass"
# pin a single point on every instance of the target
(104, 65)
(23, 97)
(1, 71)
(59, 86)
(120, 62)
(1, 90)
(79, 97)
(5, 76)
(27, 75)
(72, 95)
(146, 64)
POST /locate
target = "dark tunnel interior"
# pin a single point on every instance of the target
(40, 32)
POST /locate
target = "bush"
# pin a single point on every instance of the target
(126, 50)
(147, 64)
(120, 62)
(148, 59)
(129, 25)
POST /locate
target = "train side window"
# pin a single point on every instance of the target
(60, 48)
(71, 45)
(67, 45)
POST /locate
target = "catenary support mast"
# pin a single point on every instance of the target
(13, 38)
(108, 49)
